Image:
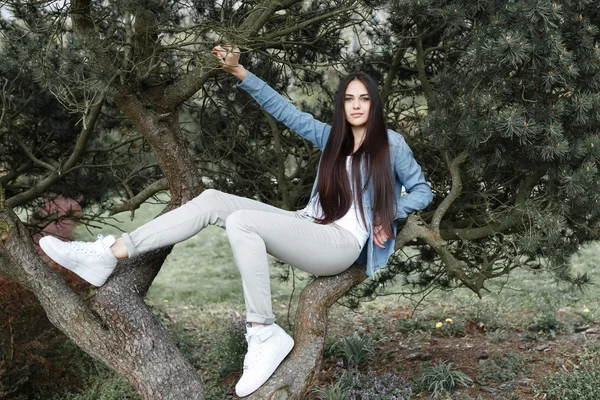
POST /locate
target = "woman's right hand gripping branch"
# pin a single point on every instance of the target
(229, 57)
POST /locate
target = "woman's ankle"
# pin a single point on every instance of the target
(119, 249)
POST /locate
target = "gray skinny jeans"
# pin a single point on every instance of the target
(254, 229)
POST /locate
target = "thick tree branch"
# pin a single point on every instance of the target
(421, 73)
(30, 154)
(299, 26)
(454, 167)
(135, 202)
(393, 71)
(281, 178)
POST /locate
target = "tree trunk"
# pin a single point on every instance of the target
(296, 375)
(118, 328)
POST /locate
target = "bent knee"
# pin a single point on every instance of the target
(208, 196)
(240, 219)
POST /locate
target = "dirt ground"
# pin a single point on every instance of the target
(405, 354)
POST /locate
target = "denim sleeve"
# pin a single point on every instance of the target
(408, 172)
(282, 110)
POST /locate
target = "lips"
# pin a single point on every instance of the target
(357, 115)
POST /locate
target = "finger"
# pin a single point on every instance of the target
(378, 242)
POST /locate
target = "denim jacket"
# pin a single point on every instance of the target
(405, 169)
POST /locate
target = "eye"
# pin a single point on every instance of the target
(365, 99)
(349, 98)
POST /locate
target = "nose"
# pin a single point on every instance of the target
(356, 104)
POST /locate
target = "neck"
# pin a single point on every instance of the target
(359, 135)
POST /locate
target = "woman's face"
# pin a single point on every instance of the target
(357, 104)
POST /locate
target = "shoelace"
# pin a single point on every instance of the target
(254, 348)
(86, 248)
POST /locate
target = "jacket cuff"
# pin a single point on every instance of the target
(250, 83)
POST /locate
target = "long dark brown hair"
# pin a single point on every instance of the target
(335, 194)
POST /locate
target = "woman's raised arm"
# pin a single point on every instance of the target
(275, 104)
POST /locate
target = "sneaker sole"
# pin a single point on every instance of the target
(281, 354)
(84, 273)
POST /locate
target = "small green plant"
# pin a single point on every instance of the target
(547, 326)
(449, 327)
(587, 316)
(337, 391)
(413, 325)
(502, 367)
(443, 378)
(329, 347)
(355, 349)
(484, 315)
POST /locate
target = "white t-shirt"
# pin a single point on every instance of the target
(351, 221)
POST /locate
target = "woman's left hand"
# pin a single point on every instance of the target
(379, 236)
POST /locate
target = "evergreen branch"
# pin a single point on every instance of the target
(58, 172)
(84, 25)
(455, 191)
(434, 48)
(136, 201)
(260, 14)
(182, 90)
(512, 219)
(304, 24)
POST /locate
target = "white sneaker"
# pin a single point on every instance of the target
(93, 261)
(267, 347)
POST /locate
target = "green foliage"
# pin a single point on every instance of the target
(187, 342)
(547, 325)
(104, 385)
(484, 314)
(329, 347)
(502, 367)
(231, 346)
(449, 327)
(442, 378)
(355, 349)
(36, 358)
(582, 383)
(414, 325)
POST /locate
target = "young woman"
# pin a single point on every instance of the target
(350, 217)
